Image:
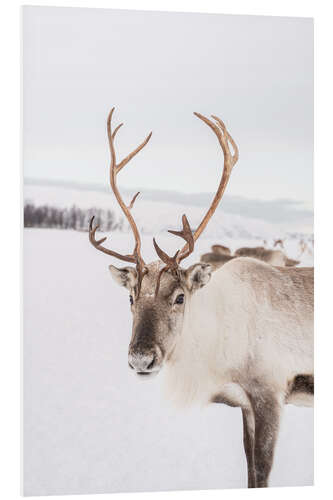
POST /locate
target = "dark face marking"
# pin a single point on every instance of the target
(157, 321)
(144, 337)
(158, 317)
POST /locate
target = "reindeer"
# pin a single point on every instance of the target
(216, 260)
(304, 247)
(279, 242)
(273, 257)
(240, 335)
(221, 250)
(218, 256)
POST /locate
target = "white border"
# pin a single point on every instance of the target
(11, 219)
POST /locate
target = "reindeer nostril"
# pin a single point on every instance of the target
(151, 364)
(131, 366)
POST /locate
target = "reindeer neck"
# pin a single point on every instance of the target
(187, 372)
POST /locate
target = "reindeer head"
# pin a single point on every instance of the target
(160, 294)
(158, 317)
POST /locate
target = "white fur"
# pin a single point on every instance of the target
(239, 322)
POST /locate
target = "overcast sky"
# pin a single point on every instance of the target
(256, 73)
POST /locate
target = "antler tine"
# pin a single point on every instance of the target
(187, 235)
(235, 156)
(116, 130)
(135, 152)
(111, 136)
(98, 244)
(130, 206)
(171, 262)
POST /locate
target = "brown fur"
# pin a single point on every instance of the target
(216, 259)
(274, 257)
(221, 250)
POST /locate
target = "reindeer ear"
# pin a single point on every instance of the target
(126, 276)
(198, 276)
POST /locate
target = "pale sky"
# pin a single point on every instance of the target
(256, 73)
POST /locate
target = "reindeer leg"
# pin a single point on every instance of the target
(249, 445)
(267, 412)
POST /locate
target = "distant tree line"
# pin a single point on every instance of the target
(47, 216)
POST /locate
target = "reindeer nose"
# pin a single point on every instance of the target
(141, 362)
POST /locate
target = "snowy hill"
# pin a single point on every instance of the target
(154, 216)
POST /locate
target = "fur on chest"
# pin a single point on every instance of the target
(231, 394)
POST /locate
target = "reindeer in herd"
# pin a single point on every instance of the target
(241, 335)
(219, 256)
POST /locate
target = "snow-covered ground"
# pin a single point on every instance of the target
(90, 426)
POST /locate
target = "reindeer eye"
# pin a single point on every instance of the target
(131, 300)
(180, 299)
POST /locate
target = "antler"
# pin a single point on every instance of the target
(135, 256)
(278, 242)
(230, 159)
(172, 263)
